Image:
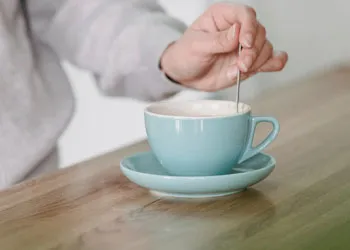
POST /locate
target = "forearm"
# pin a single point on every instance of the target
(119, 41)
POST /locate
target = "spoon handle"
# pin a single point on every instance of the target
(238, 83)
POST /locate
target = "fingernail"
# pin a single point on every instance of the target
(242, 66)
(278, 53)
(248, 40)
(232, 73)
(232, 33)
(247, 61)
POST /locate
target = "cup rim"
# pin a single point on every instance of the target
(148, 110)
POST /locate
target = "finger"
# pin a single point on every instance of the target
(232, 75)
(276, 63)
(265, 54)
(248, 56)
(218, 42)
(249, 27)
(226, 14)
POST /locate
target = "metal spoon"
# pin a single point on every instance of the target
(238, 81)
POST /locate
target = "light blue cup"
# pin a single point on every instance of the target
(203, 138)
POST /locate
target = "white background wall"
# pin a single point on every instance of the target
(314, 32)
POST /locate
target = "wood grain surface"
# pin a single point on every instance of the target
(304, 204)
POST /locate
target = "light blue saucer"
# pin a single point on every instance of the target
(145, 170)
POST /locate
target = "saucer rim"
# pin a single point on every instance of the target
(269, 166)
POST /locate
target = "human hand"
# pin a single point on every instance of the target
(206, 56)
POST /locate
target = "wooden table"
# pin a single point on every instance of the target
(304, 204)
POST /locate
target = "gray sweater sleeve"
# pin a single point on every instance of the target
(119, 41)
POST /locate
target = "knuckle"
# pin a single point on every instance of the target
(249, 11)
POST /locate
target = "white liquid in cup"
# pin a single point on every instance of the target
(201, 108)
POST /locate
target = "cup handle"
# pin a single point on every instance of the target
(250, 151)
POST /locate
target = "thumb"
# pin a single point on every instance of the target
(224, 41)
